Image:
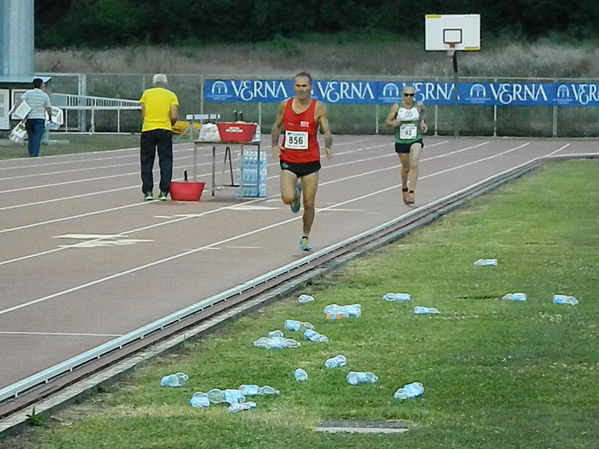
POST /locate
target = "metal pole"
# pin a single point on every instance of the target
(376, 126)
(455, 94)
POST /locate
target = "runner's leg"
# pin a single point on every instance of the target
(414, 157)
(310, 186)
(288, 181)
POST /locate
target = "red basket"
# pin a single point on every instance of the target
(236, 132)
(186, 191)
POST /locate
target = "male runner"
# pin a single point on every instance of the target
(299, 119)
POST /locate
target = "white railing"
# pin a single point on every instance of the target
(70, 102)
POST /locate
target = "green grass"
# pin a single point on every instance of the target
(71, 144)
(497, 374)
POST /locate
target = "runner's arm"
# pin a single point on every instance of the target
(422, 113)
(277, 127)
(391, 119)
(325, 129)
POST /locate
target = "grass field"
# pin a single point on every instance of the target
(71, 143)
(497, 374)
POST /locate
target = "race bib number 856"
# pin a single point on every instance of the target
(296, 140)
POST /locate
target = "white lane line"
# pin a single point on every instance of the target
(230, 207)
(87, 214)
(83, 195)
(59, 334)
(233, 238)
(178, 148)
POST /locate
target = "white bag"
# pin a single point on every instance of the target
(20, 112)
(18, 133)
(209, 133)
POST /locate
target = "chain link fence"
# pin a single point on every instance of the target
(465, 120)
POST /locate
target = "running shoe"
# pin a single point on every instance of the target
(295, 206)
(411, 197)
(162, 196)
(148, 197)
(405, 197)
(304, 245)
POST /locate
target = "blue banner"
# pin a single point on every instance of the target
(428, 92)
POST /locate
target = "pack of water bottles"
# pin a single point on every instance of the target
(251, 175)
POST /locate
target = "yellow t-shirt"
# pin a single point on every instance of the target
(158, 102)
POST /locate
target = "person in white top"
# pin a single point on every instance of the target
(407, 118)
(39, 102)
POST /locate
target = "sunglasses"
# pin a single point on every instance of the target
(408, 95)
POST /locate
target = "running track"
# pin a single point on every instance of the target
(84, 260)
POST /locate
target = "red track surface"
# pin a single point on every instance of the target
(84, 260)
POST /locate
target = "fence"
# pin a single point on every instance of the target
(539, 107)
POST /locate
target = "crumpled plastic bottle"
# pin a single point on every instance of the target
(199, 400)
(174, 380)
(485, 262)
(360, 377)
(336, 362)
(515, 297)
(240, 406)
(276, 343)
(565, 299)
(233, 395)
(216, 396)
(304, 299)
(397, 297)
(420, 310)
(255, 390)
(300, 375)
(408, 391)
(348, 311)
(315, 337)
(294, 325)
(276, 333)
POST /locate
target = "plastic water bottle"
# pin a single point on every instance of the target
(359, 377)
(249, 390)
(315, 337)
(216, 396)
(255, 390)
(276, 343)
(485, 262)
(334, 316)
(233, 396)
(199, 400)
(565, 299)
(420, 310)
(336, 362)
(267, 390)
(408, 391)
(304, 299)
(240, 406)
(349, 311)
(276, 333)
(294, 325)
(397, 297)
(174, 380)
(300, 375)
(515, 297)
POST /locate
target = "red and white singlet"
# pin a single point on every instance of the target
(300, 142)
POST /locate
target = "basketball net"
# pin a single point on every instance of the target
(450, 49)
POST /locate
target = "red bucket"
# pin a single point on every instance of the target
(236, 132)
(186, 191)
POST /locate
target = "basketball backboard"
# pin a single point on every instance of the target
(445, 32)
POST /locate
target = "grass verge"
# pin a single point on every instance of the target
(71, 144)
(497, 374)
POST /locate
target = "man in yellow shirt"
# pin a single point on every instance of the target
(159, 111)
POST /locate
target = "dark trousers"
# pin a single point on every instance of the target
(160, 140)
(35, 131)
